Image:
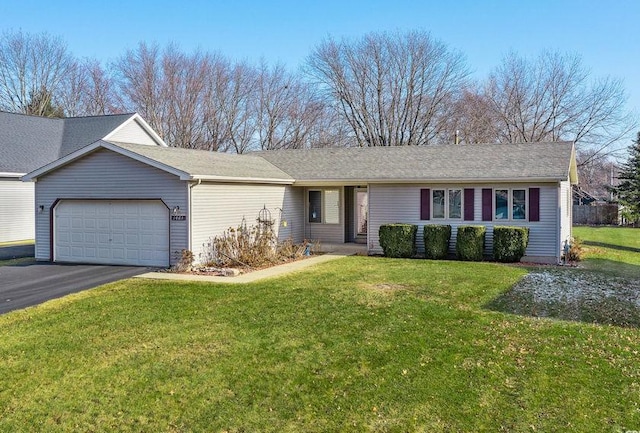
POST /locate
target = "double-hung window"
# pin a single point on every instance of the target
(324, 206)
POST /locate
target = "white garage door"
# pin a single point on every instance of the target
(117, 232)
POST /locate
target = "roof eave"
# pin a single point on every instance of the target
(406, 181)
(233, 179)
(10, 174)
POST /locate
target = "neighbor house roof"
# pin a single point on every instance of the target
(437, 163)
(188, 164)
(28, 142)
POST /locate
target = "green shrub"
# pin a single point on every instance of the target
(509, 243)
(398, 240)
(470, 243)
(436, 241)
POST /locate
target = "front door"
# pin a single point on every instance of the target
(362, 214)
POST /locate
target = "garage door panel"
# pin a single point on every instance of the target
(112, 232)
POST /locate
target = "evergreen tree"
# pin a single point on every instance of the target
(629, 188)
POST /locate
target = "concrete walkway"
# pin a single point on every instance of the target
(332, 252)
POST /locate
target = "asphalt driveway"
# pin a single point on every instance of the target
(16, 251)
(28, 284)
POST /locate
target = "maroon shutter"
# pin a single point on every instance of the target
(534, 204)
(425, 204)
(487, 204)
(469, 196)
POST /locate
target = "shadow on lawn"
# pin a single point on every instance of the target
(573, 295)
(613, 268)
(611, 246)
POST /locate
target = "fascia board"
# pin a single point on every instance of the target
(338, 182)
(213, 178)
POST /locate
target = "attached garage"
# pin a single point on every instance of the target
(115, 232)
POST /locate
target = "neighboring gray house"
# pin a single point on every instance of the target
(142, 205)
(29, 142)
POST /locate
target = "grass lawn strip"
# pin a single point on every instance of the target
(358, 344)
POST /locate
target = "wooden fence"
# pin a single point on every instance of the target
(606, 214)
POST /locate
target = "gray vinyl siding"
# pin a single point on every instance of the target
(294, 213)
(218, 206)
(108, 175)
(17, 213)
(133, 133)
(324, 233)
(401, 203)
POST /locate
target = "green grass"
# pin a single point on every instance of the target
(614, 250)
(358, 344)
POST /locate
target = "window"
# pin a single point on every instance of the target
(447, 203)
(455, 203)
(324, 206)
(438, 203)
(332, 206)
(315, 206)
(508, 204)
(450, 203)
(502, 204)
(519, 206)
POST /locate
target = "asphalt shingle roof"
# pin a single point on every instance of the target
(202, 163)
(29, 142)
(427, 163)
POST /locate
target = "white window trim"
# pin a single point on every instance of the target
(510, 204)
(446, 204)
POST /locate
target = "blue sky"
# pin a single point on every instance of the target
(605, 33)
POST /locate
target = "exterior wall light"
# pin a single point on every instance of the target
(40, 208)
(176, 209)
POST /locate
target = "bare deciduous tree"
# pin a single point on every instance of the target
(288, 109)
(472, 121)
(139, 77)
(167, 88)
(32, 70)
(392, 89)
(230, 106)
(87, 90)
(552, 98)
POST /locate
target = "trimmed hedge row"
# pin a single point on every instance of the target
(436, 241)
(399, 240)
(509, 243)
(470, 243)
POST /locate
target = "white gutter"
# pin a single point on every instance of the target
(10, 174)
(420, 181)
(235, 179)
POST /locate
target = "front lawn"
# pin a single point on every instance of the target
(358, 344)
(614, 250)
